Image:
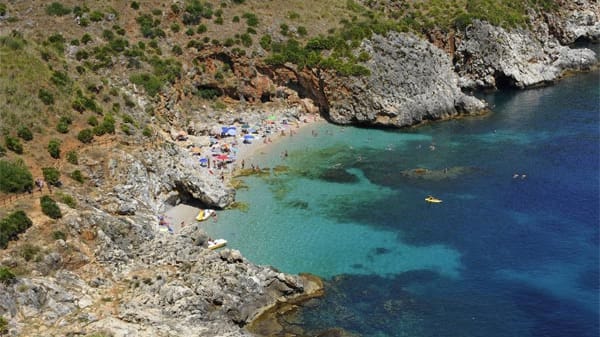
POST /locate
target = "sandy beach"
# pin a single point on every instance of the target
(185, 214)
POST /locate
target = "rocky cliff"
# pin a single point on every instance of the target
(411, 81)
(117, 273)
(492, 57)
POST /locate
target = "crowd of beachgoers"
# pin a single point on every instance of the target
(229, 148)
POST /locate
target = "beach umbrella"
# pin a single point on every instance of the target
(248, 137)
(222, 157)
(196, 150)
(203, 160)
(272, 118)
(245, 126)
(231, 132)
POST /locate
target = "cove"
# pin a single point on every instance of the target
(511, 251)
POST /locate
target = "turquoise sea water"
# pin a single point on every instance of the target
(500, 256)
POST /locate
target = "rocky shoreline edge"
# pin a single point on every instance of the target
(116, 273)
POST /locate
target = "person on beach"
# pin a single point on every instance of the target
(243, 164)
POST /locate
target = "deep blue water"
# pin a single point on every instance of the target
(498, 257)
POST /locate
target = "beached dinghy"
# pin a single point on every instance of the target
(204, 214)
(218, 243)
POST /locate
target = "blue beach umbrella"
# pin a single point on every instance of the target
(248, 137)
(203, 160)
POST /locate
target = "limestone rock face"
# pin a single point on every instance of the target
(492, 57)
(411, 81)
(158, 176)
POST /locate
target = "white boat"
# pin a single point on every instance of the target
(205, 214)
(215, 244)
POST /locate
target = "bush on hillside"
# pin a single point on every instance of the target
(13, 225)
(13, 144)
(2, 151)
(50, 208)
(46, 96)
(24, 133)
(29, 251)
(54, 148)
(51, 175)
(85, 136)
(57, 9)
(62, 127)
(59, 235)
(77, 176)
(14, 177)
(72, 157)
(2, 9)
(6, 277)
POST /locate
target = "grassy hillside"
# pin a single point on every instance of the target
(66, 67)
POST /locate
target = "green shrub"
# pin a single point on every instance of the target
(96, 16)
(2, 151)
(51, 175)
(50, 208)
(201, 29)
(65, 119)
(72, 157)
(3, 321)
(60, 78)
(6, 277)
(208, 93)
(135, 5)
(246, 39)
(25, 133)
(177, 50)
(57, 9)
(147, 131)
(54, 148)
(175, 28)
(2, 9)
(14, 41)
(68, 200)
(77, 176)
(285, 29)
(86, 38)
(302, 31)
(62, 127)
(81, 55)
(13, 144)
(265, 42)
(92, 120)
(29, 251)
(59, 235)
(85, 136)
(152, 84)
(14, 177)
(251, 19)
(11, 226)
(46, 96)
(127, 129)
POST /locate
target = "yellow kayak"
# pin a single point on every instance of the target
(433, 200)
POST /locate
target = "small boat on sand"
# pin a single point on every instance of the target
(433, 200)
(215, 244)
(205, 214)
